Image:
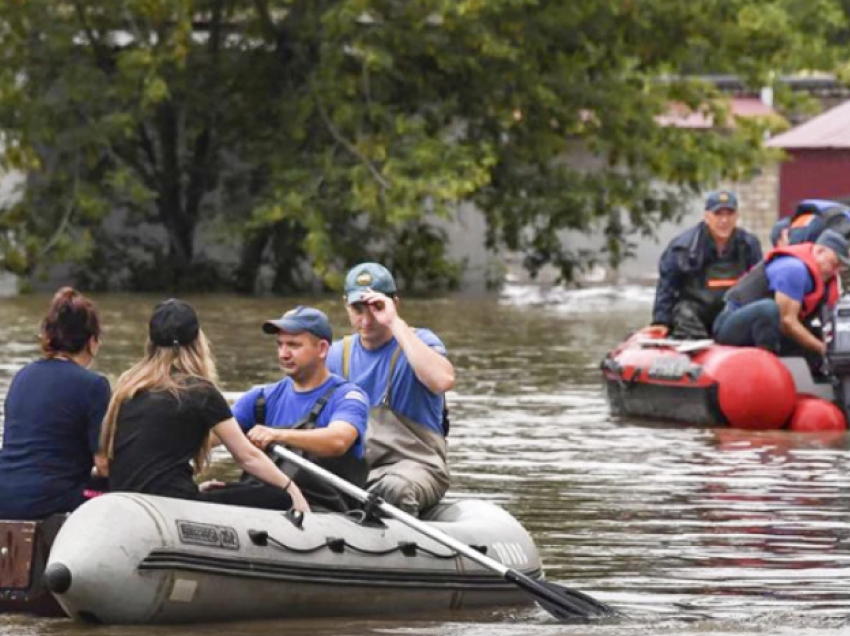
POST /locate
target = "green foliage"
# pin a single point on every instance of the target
(312, 134)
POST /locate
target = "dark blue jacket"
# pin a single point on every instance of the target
(689, 254)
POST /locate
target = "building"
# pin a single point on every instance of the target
(817, 164)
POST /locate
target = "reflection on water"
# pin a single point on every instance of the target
(688, 530)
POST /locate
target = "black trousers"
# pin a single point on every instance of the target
(249, 494)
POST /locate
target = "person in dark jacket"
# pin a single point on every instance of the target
(698, 268)
(769, 307)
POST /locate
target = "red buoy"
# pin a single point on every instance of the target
(754, 389)
(813, 414)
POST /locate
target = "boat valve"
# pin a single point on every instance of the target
(296, 517)
(259, 537)
(57, 577)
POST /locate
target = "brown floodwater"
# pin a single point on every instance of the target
(687, 530)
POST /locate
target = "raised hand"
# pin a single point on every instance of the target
(382, 307)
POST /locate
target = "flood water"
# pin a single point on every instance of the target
(686, 530)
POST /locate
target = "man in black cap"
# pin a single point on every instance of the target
(310, 409)
(768, 308)
(698, 268)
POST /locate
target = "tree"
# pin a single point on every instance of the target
(317, 133)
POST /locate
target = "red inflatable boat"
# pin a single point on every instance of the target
(700, 382)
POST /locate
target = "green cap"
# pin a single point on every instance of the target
(365, 276)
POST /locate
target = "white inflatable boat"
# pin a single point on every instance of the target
(129, 558)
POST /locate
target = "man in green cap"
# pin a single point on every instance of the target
(406, 374)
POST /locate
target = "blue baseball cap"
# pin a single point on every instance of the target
(365, 276)
(299, 320)
(721, 200)
(837, 243)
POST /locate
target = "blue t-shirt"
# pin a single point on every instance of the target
(287, 407)
(409, 397)
(789, 276)
(53, 410)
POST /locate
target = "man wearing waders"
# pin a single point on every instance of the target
(311, 410)
(406, 374)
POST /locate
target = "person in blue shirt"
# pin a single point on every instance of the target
(53, 413)
(310, 409)
(699, 266)
(810, 218)
(768, 308)
(405, 373)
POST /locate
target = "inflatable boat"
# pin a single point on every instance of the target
(701, 382)
(130, 558)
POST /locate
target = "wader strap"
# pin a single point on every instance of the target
(388, 393)
(346, 356)
(307, 422)
(260, 409)
(313, 416)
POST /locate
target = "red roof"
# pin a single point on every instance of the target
(828, 130)
(680, 116)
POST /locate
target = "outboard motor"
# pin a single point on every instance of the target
(838, 353)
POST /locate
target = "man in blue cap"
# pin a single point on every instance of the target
(310, 409)
(406, 374)
(698, 268)
(768, 308)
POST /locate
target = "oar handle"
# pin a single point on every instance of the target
(390, 510)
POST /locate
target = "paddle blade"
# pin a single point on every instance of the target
(562, 602)
(575, 605)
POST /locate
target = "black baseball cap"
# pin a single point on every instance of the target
(173, 324)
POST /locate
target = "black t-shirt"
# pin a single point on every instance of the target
(158, 434)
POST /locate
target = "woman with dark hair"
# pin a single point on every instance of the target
(53, 412)
(161, 420)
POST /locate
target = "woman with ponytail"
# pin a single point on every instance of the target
(53, 413)
(162, 417)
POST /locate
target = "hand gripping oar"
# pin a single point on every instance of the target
(562, 602)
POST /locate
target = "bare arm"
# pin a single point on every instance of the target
(431, 367)
(332, 441)
(101, 464)
(790, 325)
(255, 462)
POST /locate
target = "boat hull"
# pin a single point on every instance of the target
(126, 558)
(702, 383)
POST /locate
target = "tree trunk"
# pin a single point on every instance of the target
(250, 260)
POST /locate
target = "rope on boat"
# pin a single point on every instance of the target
(338, 545)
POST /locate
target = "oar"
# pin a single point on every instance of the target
(562, 602)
